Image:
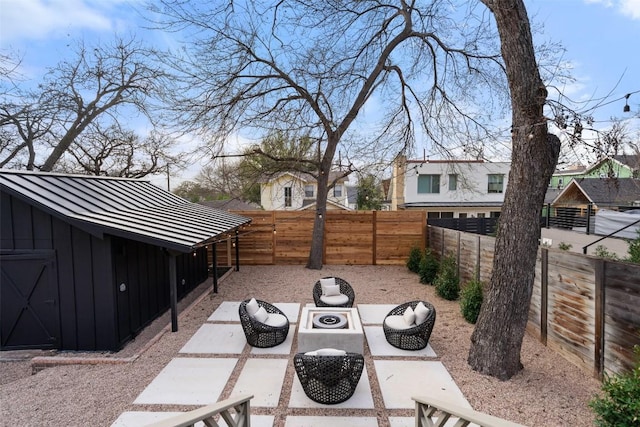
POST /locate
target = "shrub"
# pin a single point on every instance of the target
(413, 263)
(602, 252)
(564, 246)
(471, 300)
(428, 267)
(634, 250)
(447, 282)
(619, 405)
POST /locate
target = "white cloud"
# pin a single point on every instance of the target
(41, 19)
(629, 8)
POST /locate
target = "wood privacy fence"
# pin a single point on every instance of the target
(583, 307)
(351, 238)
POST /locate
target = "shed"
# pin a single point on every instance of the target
(87, 262)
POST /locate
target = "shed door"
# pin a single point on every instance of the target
(29, 301)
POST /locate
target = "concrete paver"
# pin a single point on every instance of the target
(189, 381)
(200, 381)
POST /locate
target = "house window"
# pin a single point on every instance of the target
(446, 214)
(287, 197)
(337, 191)
(428, 184)
(453, 182)
(496, 183)
(481, 215)
(494, 214)
(308, 191)
(462, 215)
(433, 214)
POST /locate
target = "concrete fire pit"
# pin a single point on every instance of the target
(328, 327)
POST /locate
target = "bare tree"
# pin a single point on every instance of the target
(96, 83)
(309, 68)
(118, 152)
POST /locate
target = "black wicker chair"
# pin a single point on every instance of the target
(329, 379)
(345, 289)
(260, 334)
(413, 338)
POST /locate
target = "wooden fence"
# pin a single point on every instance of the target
(351, 238)
(585, 308)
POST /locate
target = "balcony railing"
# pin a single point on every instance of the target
(427, 409)
(238, 418)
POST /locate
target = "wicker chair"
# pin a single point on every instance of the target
(345, 289)
(411, 338)
(261, 334)
(329, 379)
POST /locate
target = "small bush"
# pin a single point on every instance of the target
(619, 405)
(634, 249)
(428, 267)
(471, 300)
(602, 252)
(564, 246)
(413, 263)
(447, 282)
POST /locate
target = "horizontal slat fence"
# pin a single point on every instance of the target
(585, 308)
(351, 238)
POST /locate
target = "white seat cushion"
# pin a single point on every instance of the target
(339, 299)
(276, 320)
(409, 316)
(252, 306)
(397, 322)
(261, 315)
(330, 352)
(325, 283)
(331, 291)
(421, 312)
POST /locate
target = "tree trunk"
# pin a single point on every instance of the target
(497, 339)
(316, 257)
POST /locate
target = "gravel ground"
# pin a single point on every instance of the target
(549, 391)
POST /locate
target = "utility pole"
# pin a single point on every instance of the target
(168, 179)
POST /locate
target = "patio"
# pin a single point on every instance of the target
(218, 352)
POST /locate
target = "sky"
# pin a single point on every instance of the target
(601, 38)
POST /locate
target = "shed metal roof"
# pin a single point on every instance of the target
(130, 208)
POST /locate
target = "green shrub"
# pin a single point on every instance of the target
(564, 246)
(428, 267)
(602, 252)
(447, 282)
(471, 300)
(634, 249)
(619, 404)
(413, 263)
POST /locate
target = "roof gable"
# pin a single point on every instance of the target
(130, 208)
(603, 191)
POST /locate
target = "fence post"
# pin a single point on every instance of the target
(374, 220)
(214, 254)
(478, 260)
(589, 211)
(544, 293)
(599, 338)
(458, 255)
(547, 216)
(442, 245)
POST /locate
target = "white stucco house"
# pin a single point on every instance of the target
(449, 188)
(298, 191)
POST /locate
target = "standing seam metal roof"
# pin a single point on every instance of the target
(130, 208)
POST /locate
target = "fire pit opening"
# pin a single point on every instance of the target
(330, 321)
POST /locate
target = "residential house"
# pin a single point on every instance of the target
(618, 166)
(576, 204)
(298, 191)
(449, 188)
